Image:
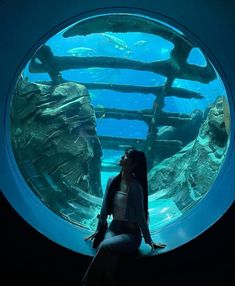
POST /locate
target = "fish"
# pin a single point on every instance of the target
(81, 51)
(140, 43)
(119, 44)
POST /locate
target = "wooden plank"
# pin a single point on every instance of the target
(116, 143)
(165, 119)
(165, 68)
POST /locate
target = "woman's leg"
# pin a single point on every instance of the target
(102, 268)
(118, 245)
(94, 274)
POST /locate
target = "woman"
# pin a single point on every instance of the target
(126, 199)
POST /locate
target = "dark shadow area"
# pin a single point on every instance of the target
(28, 257)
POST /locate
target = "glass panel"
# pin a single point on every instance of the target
(109, 82)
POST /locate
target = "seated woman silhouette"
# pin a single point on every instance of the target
(126, 199)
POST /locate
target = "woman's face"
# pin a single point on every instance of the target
(125, 161)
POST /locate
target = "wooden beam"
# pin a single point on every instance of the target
(116, 143)
(166, 119)
(173, 91)
(165, 68)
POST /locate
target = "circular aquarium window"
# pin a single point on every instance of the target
(107, 83)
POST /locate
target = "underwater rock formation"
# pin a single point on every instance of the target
(226, 114)
(184, 133)
(119, 23)
(188, 175)
(55, 143)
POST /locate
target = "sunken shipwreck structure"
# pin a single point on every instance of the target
(54, 135)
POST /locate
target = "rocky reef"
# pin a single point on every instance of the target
(187, 176)
(54, 139)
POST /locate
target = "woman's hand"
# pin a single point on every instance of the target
(155, 245)
(91, 237)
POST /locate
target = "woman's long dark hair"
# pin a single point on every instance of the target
(139, 172)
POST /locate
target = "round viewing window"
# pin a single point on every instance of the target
(107, 83)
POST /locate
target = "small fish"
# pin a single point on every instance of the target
(119, 44)
(140, 43)
(81, 51)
